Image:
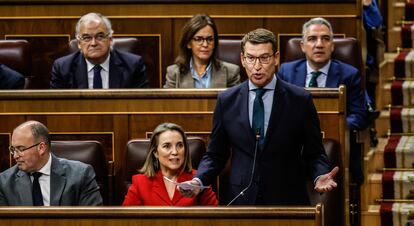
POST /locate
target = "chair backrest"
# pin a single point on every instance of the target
(125, 44)
(229, 50)
(347, 50)
(89, 152)
(135, 158)
(16, 54)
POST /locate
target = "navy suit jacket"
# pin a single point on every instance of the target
(10, 79)
(126, 70)
(339, 73)
(292, 152)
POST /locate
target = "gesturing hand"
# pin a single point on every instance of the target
(189, 188)
(326, 182)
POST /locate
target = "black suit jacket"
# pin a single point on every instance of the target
(10, 79)
(126, 70)
(292, 153)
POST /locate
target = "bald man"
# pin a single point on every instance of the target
(41, 179)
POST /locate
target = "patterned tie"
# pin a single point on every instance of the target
(315, 75)
(258, 116)
(36, 192)
(97, 80)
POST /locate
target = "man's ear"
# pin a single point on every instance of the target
(242, 59)
(302, 46)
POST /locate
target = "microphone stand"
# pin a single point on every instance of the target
(254, 166)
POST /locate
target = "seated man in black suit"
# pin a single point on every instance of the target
(10, 79)
(97, 65)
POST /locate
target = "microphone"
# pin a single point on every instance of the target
(253, 167)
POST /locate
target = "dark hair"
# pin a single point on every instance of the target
(259, 36)
(196, 23)
(152, 165)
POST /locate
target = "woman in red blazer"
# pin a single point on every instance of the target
(168, 162)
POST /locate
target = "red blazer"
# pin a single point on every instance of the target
(146, 191)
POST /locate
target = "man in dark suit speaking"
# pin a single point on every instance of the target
(41, 179)
(96, 65)
(271, 131)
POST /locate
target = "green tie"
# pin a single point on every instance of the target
(315, 75)
(258, 115)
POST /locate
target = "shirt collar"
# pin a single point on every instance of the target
(323, 69)
(46, 168)
(104, 65)
(193, 71)
(270, 86)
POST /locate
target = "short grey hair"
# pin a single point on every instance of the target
(318, 21)
(94, 16)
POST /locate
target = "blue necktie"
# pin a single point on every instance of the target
(315, 75)
(258, 115)
(97, 80)
(36, 192)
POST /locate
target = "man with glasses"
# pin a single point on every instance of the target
(319, 70)
(97, 65)
(270, 130)
(41, 179)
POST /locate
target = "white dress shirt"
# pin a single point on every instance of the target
(104, 73)
(44, 181)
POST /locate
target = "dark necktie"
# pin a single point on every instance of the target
(258, 116)
(36, 192)
(97, 80)
(315, 75)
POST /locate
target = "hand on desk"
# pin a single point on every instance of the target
(326, 182)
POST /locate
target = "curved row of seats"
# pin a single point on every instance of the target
(16, 54)
(114, 188)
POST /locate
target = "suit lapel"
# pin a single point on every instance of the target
(57, 182)
(277, 109)
(116, 72)
(332, 80)
(300, 78)
(186, 80)
(243, 101)
(80, 73)
(218, 77)
(159, 188)
(24, 188)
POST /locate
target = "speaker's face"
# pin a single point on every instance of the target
(318, 45)
(260, 62)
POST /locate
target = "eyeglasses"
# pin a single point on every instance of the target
(264, 59)
(19, 150)
(200, 40)
(98, 37)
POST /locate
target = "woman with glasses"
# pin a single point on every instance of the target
(196, 65)
(167, 164)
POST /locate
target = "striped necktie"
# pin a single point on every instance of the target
(313, 82)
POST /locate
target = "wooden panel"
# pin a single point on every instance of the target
(157, 216)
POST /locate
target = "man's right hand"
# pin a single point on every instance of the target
(192, 190)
